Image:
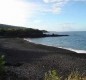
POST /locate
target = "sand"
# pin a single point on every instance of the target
(31, 60)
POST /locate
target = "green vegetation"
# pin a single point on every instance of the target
(2, 63)
(14, 31)
(76, 76)
(2, 67)
(20, 33)
(52, 75)
(4, 26)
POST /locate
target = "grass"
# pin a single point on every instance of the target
(76, 76)
(53, 75)
(50, 75)
(2, 63)
(2, 67)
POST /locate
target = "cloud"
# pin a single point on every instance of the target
(50, 1)
(80, 0)
(56, 5)
(16, 12)
(12, 12)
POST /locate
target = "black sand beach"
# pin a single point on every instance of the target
(31, 61)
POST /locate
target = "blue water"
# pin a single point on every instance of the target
(75, 40)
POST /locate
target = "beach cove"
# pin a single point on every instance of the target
(29, 60)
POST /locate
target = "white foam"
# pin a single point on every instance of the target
(29, 40)
(75, 50)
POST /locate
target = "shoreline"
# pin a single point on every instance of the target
(66, 49)
(74, 50)
(28, 59)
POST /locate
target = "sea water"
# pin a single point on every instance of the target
(76, 41)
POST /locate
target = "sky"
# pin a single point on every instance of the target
(51, 15)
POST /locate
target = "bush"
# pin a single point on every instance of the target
(2, 64)
(52, 75)
(76, 76)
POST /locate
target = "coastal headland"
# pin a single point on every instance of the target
(30, 60)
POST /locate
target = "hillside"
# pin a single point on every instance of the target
(5, 26)
(17, 31)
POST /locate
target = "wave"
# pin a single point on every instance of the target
(29, 40)
(75, 50)
(71, 49)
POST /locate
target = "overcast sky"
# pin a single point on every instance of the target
(52, 15)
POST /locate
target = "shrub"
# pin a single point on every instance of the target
(2, 63)
(52, 75)
(76, 76)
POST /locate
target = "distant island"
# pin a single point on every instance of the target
(22, 32)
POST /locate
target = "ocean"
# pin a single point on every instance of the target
(76, 41)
